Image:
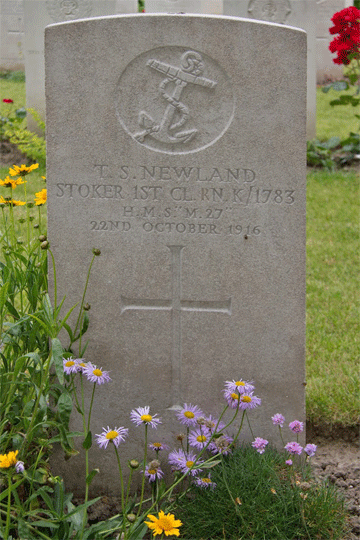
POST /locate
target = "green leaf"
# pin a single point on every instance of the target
(21, 113)
(57, 358)
(65, 405)
(3, 295)
(332, 143)
(85, 325)
(208, 465)
(90, 476)
(353, 77)
(88, 441)
(326, 88)
(340, 85)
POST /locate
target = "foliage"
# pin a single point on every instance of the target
(257, 497)
(29, 143)
(15, 76)
(12, 119)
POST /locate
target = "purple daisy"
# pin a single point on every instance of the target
(95, 374)
(278, 419)
(70, 366)
(189, 414)
(296, 426)
(289, 462)
(260, 444)
(116, 436)
(249, 401)
(199, 438)
(19, 467)
(221, 445)
(158, 446)
(153, 471)
(232, 398)
(142, 415)
(184, 462)
(205, 482)
(310, 449)
(240, 386)
(293, 448)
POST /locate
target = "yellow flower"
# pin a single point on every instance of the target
(41, 197)
(164, 524)
(2, 200)
(17, 203)
(9, 182)
(23, 170)
(8, 460)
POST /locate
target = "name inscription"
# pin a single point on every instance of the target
(164, 199)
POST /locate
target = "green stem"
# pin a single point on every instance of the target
(81, 312)
(55, 281)
(27, 221)
(121, 482)
(143, 475)
(7, 526)
(86, 456)
(248, 421)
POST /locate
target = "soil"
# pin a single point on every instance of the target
(10, 155)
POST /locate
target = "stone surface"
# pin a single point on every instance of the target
(214, 7)
(194, 192)
(297, 13)
(40, 13)
(325, 68)
(12, 34)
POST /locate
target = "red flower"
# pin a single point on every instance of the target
(8, 101)
(347, 43)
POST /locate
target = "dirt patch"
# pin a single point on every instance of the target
(10, 155)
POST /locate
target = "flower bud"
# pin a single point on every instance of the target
(42, 238)
(96, 252)
(86, 307)
(45, 245)
(21, 220)
(131, 518)
(180, 437)
(36, 226)
(134, 464)
(30, 204)
(154, 464)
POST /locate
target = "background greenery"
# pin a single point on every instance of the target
(333, 392)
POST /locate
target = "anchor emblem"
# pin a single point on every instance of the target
(189, 72)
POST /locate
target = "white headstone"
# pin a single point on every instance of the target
(326, 70)
(213, 7)
(185, 165)
(12, 34)
(297, 13)
(40, 13)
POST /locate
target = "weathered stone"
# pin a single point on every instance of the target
(184, 162)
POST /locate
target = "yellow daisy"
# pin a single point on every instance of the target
(23, 170)
(8, 460)
(164, 524)
(9, 182)
(17, 203)
(41, 197)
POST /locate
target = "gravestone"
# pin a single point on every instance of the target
(11, 34)
(297, 13)
(40, 13)
(214, 7)
(325, 68)
(194, 192)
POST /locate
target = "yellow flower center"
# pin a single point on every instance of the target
(189, 414)
(97, 372)
(166, 524)
(240, 383)
(70, 363)
(246, 399)
(157, 444)
(152, 471)
(234, 396)
(201, 438)
(146, 417)
(189, 464)
(82, 364)
(112, 434)
(206, 480)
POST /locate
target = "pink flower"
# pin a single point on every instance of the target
(293, 448)
(288, 462)
(278, 420)
(310, 449)
(296, 426)
(260, 444)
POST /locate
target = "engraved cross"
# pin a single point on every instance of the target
(176, 306)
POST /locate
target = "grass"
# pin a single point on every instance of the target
(333, 297)
(332, 270)
(334, 121)
(257, 497)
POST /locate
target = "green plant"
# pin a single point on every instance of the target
(257, 497)
(32, 145)
(12, 118)
(320, 154)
